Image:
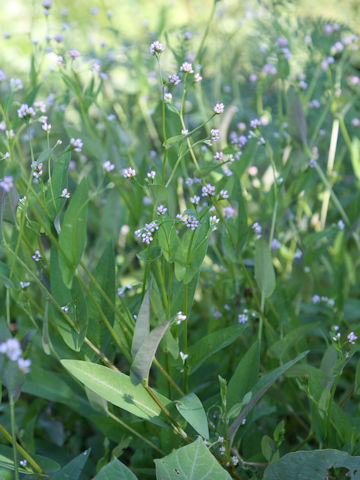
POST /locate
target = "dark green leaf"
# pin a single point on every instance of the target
(191, 408)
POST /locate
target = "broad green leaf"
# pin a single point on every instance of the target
(296, 118)
(115, 470)
(159, 193)
(212, 343)
(7, 461)
(54, 201)
(191, 408)
(49, 385)
(303, 465)
(191, 253)
(355, 156)
(193, 462)
(117, 388)
(73, 469)
(145, 355)
(259, 390)
(148, 255)
(73, 299)
(282, 346)
(245, 375)
(264, 270)
(4, 275)
(142, 325)
(105, 277)
(168, 240)
(72, 237)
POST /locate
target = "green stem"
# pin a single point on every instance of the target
(13, 436)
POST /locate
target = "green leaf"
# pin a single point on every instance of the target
(49, 385)
(72, 237)
(73, 469)
(296, 117)
(145, 355)
(117, 388)
(105, 276)
(282, 346)
(193, 462)
(315, 464)
(355, 156)
(191, 253)
(54, 201)
(5, 274)
(264, 270)
(191, 408)
(115, 470)
(7, 461)
(158, 193)
(245, 375)
(172, 108)
(168, 240)
(259, 390)
(212, 343)
(142, 325)
(149, 254)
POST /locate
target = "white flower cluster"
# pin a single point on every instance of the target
(76, 144)
(12, 349)
(156, 48)
(146, 233)
(25, 111)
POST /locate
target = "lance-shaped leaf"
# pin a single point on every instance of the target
(314, 464)
(118, 389)
(264, 270)
(142, 325)
(73, 469)
(211, 344)
(145, 355)
(115, 470)
(54, 200)
(261, 387)
(191, 408)
(72, 237)
(296, 117)
(193, 462)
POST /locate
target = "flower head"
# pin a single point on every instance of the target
(219, 108)
(156, 48)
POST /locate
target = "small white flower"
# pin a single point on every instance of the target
(187, 67)
(167, 97)
(174, 79)
(195, 200)
(219, 108)
(37, 256)
(341, 225)
(208, 189)
(192, 222)
(180, 317)
(65, 308)
(275, 244)
(156, 48)
(23, 463)
(74, 53)
(242, 318)
(151, 174)
(197, 77)
(224, 194)
(257, 228)
(24, 365)
(184, 131)
(65, 193)
(161, 210)
(25, 111)
(108, 166)
(183, 356)
(215, 134)
(128, 172)
(229, 212)
(352, 338)
(12, 349)
(76, 144)
(46, 127)
(24, 284)
(6, 183)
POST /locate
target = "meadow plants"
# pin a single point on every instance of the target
(179, 221)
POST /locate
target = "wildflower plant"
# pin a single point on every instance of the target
(179, 247)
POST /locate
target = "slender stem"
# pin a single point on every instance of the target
(23, 452)
(134, 432)
(13, 436)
